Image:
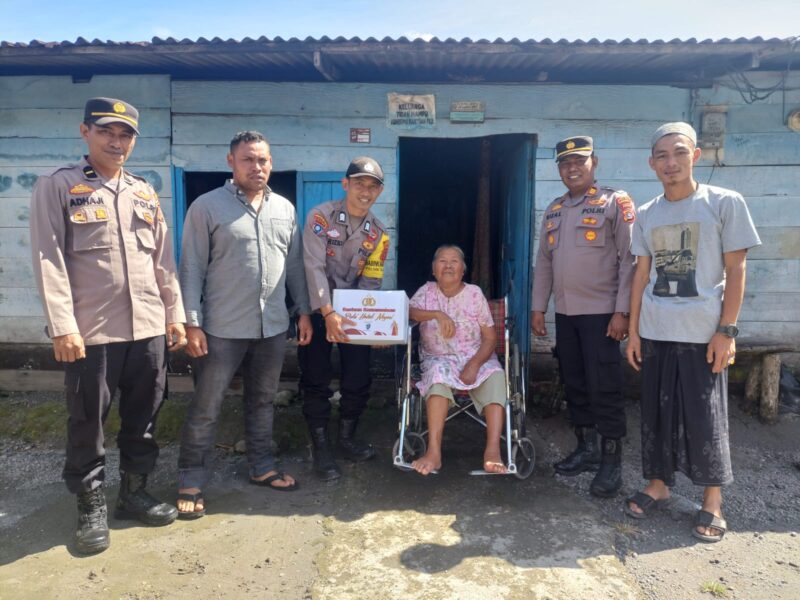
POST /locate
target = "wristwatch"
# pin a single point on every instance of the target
(730, 330)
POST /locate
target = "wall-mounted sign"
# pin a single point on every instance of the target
(411, 111)
(467, 112)
(360, 135)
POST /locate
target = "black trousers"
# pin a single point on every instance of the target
(315, 364)
(139, 370)
(590, 364)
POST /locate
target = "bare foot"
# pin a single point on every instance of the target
(187, 506)
(656, 490)
(492, 463)
(431, 461)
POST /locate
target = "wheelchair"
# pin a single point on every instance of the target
(520, 455)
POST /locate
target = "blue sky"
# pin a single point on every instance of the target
(58, 20)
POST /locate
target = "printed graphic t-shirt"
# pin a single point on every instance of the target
(685, 241)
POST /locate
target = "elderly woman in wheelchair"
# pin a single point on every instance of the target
(457, 349)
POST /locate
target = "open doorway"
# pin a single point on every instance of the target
(476, 193)
(199, 182)
(442, 182)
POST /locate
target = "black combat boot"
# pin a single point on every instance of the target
(92, 534)
(324, 464)
(347, 444)
(134, 502)
(608, 480)
(585, 457)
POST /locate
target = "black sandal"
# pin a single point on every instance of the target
(279, 476)
(703, 518)
(188, 515)
(645, 502)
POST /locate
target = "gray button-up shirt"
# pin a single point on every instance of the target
(236, 264)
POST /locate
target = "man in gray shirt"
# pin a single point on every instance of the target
(691, 243)
(241, 249)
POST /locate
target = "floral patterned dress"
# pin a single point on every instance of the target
(443, 359)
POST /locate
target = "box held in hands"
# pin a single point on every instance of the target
(381, 318)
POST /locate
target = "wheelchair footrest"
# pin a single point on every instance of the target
(510, 470)
(404, 466)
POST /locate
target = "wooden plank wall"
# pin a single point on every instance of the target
(308, 126)
(39, 119)
(761, 160)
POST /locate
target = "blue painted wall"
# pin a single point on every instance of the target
(188, 124)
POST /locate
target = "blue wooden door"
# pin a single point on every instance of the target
(518, 179)
(315, 188)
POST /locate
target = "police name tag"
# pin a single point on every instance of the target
(380, 318)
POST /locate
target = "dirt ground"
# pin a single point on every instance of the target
(384, 534)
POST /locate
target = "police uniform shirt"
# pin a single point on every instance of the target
(339, 255)
(584, 256)
(102, 256)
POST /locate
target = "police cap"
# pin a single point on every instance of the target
(102, 111)
(582, 145)
(364, 166)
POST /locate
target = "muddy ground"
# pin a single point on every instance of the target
(380, 533)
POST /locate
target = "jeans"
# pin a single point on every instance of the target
(262, 360)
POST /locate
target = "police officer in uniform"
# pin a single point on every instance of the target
(585, 262)
(103, 261)
(344, 247)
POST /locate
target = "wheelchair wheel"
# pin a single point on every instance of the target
(414, 446)
(524, 456)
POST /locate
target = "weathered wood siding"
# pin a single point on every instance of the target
(761, 160)
(308, 126)
(39, 119)
(190, 123)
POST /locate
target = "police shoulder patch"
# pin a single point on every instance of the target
(320, 220)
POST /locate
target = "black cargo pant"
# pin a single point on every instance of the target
(590, 364)
(315, 364)
(139, 370)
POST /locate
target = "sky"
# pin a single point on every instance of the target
(60, 20)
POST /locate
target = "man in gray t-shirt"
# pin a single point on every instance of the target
(691, 244)
(687, 241)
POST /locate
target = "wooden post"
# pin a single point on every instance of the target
(770, 387)
(481, 251)
(752, 389)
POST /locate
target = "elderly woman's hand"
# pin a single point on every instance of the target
(469, 374)
(447, 326)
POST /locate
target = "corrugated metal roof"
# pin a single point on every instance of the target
(405, 60)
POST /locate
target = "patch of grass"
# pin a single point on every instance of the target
(715, 588)
(626, 529)
(44, 422)
(290, 429)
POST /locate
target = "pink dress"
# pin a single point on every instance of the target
(443, 359)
